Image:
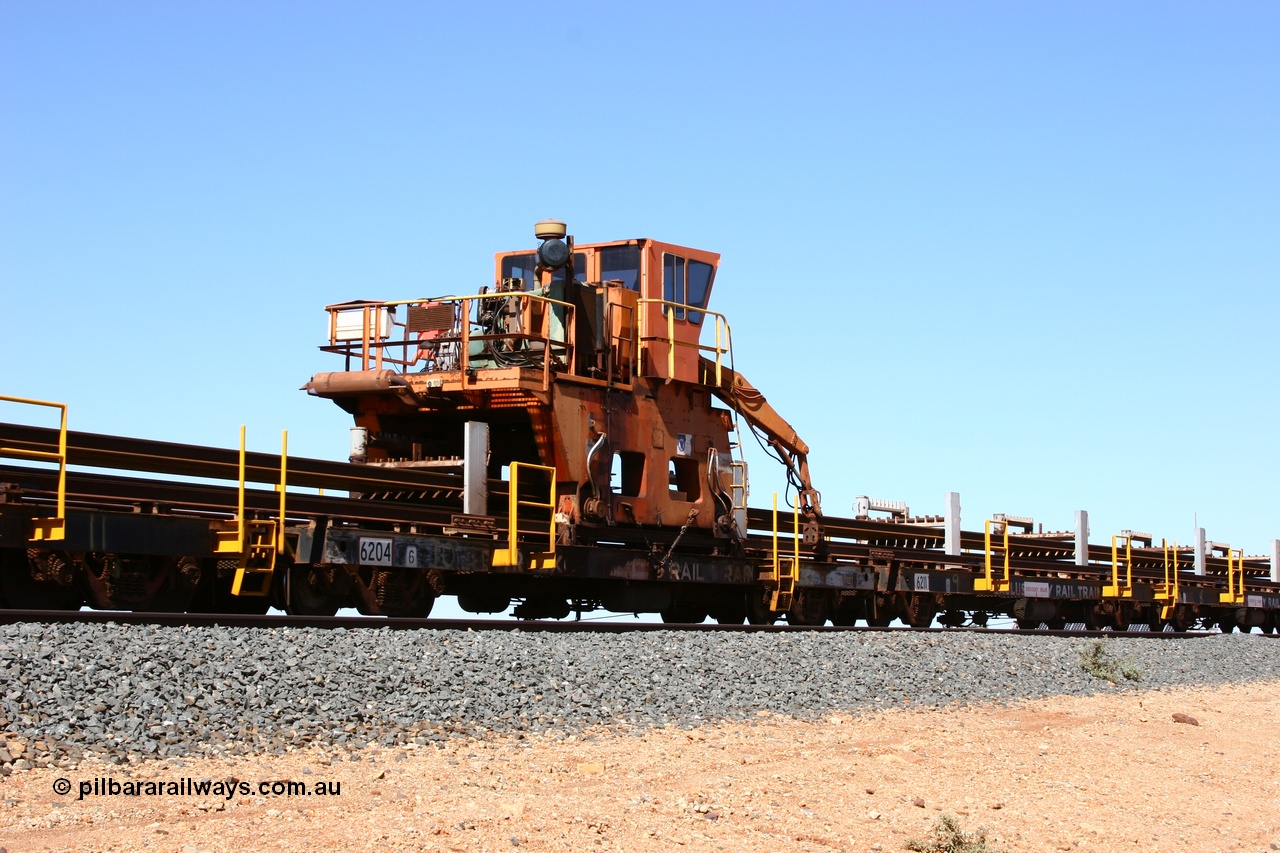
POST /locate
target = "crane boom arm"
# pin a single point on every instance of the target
(744, 398)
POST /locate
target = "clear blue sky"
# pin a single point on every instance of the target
(1026, 251)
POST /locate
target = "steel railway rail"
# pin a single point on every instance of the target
(136, 517)
(201, 620)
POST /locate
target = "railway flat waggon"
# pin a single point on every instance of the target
(566, 439)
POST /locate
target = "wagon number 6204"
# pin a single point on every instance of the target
(376, 552)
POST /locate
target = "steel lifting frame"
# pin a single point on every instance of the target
(510, 556)
(47, 529)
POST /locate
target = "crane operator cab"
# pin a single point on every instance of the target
(599, 362)
(631, 299)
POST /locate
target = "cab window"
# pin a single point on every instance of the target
(524, 267)
(687, 282)
(621, 263)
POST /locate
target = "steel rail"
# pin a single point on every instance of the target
(231, 620)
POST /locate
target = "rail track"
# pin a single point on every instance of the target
(175, 500)
(200, 620)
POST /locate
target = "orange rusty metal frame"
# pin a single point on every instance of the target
(371, 346)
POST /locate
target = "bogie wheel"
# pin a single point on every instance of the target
(920, 611)
(1058, 623)
(881, 618)
(1028, 624)
(809, 609)
(306, 594)
(731, 610)
(684, 614)
(22, 589)
(1226, 625)
(882, 611)
(758, 612)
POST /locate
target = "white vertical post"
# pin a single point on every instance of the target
(1082, 537)
(475, 468)
(1275, 560)
(951, 520)
(1200, 552)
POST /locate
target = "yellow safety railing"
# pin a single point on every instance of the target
(510, 556)
(1168, 591)
(47, 529)
(232, 541)
(724, 340)
(255, 543)
(284, 468)
(784, 572)
(1235, 592)
(1115, 589)
(988, 582)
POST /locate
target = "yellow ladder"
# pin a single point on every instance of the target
(1166, 593)
(784, 571)
(509, 557)
(255, 542)
(257, 564)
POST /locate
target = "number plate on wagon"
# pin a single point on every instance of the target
(376, 552)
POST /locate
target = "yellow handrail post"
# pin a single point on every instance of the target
(47, 529)
(795, 517)
(510, 556)
(989, 583)
(775, 535)
(671, 343)
(240, 498)
(1234, 595)
(284, 467)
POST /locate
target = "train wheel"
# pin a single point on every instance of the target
(308, 594)
(881, 618)
(758, 612)
(847, 613)
(684, 614)
(37, 582)
(731, 610)
(882, 611)
(1056, 624)
(1028, 624)
(1226, 625)
(920, 611)
(808, 609)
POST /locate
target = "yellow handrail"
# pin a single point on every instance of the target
(240, 498)
(47, 529)
(510, 556)
(987, 583)
(284, 467)
(724, 337)
(1233, 595)
(781, 598)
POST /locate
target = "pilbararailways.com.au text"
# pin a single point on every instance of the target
(105, 786)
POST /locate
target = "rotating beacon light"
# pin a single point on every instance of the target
(554, 252)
